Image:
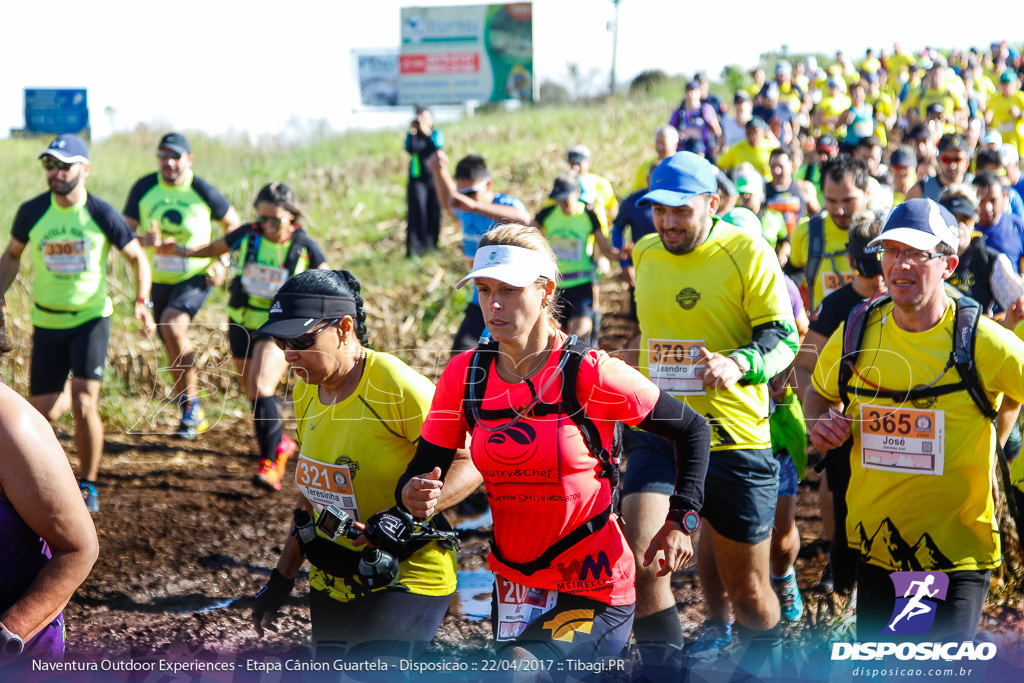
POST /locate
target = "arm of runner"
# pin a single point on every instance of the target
(806, 358)
(446, 476)
(136, 257)
(270, 598)
(438, 164)
(37, 480)
(675, 421)
(496, 212)
(230, 221)
(10, 262)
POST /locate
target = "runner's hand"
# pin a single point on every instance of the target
(674, 544)
(216, 274)
(420, 494)
(720, 372)
(269, 600)
(831, 431)
(143, 315)
(171, 248)
(152, 238)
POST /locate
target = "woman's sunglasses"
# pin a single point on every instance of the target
(303, 342)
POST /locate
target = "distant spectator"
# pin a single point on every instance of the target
(424, 211)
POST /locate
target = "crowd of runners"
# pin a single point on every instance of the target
(827, 271)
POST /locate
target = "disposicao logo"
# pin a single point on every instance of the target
(917, 597)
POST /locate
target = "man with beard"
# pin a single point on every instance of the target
(819, 242)
(176, 204)
(68, 233)
(716, 324)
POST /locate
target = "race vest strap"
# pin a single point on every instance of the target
(816, 254)
(589, 527)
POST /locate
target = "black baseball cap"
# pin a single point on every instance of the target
(176, 142)
(291, 315)
(565, 185)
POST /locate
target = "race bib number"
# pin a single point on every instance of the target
(863, 129)
(676, 365)
(897, 439)
(519, 606)
(170, 264)
(263, 281)
(830, 282)
(569, 248)
(325, 484)
(65, 256)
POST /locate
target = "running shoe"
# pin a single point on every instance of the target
(193, 419)
(826, 583)
(89, 495)
(789, 597)
(713, 637)
(270, 472)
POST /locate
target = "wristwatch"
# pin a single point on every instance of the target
(679, 513)
(741, 361)
(144, 300)
(10, 644)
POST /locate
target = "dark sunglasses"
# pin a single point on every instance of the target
(305, 341)
(51, 164)
(167, 154)
(272, 221)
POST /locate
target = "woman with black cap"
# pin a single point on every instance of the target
(564, 573)
(359, 414)
(265, 253)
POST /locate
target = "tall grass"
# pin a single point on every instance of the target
(352, 187)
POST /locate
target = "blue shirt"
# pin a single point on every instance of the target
(475, 226)
(1007, 236)
(637, 218)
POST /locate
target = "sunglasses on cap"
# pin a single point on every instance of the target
(305, 341)
(51, 164)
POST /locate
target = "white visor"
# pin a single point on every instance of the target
(514, 266)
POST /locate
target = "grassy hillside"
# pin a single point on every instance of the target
(352, 187)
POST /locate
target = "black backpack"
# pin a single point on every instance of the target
(571, 356)
(965, 332)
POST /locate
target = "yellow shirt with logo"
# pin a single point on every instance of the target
(920, 494)
(744, 152)
(368, 440)
(1009, 126)
(829, 278)
(713, 296)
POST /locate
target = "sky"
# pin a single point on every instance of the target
(273, 68)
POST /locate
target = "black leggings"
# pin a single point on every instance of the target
(387, 622)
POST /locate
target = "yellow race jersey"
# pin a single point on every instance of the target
(920, 493)
(351, 455)
(829, 278)
(712, 297)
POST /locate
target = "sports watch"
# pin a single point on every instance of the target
(679, 512)
(11, 645)
(741, 361)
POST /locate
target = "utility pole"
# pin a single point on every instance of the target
(615, 46)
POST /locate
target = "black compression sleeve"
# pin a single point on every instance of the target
(428, 456)
(677, 422)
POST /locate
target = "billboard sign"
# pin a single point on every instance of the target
(56, 111)
(377, 75)
(471, 52)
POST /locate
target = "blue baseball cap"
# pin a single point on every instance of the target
(921, 224)
(68, 148)
(680, 178)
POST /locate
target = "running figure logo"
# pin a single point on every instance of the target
(917, 597)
